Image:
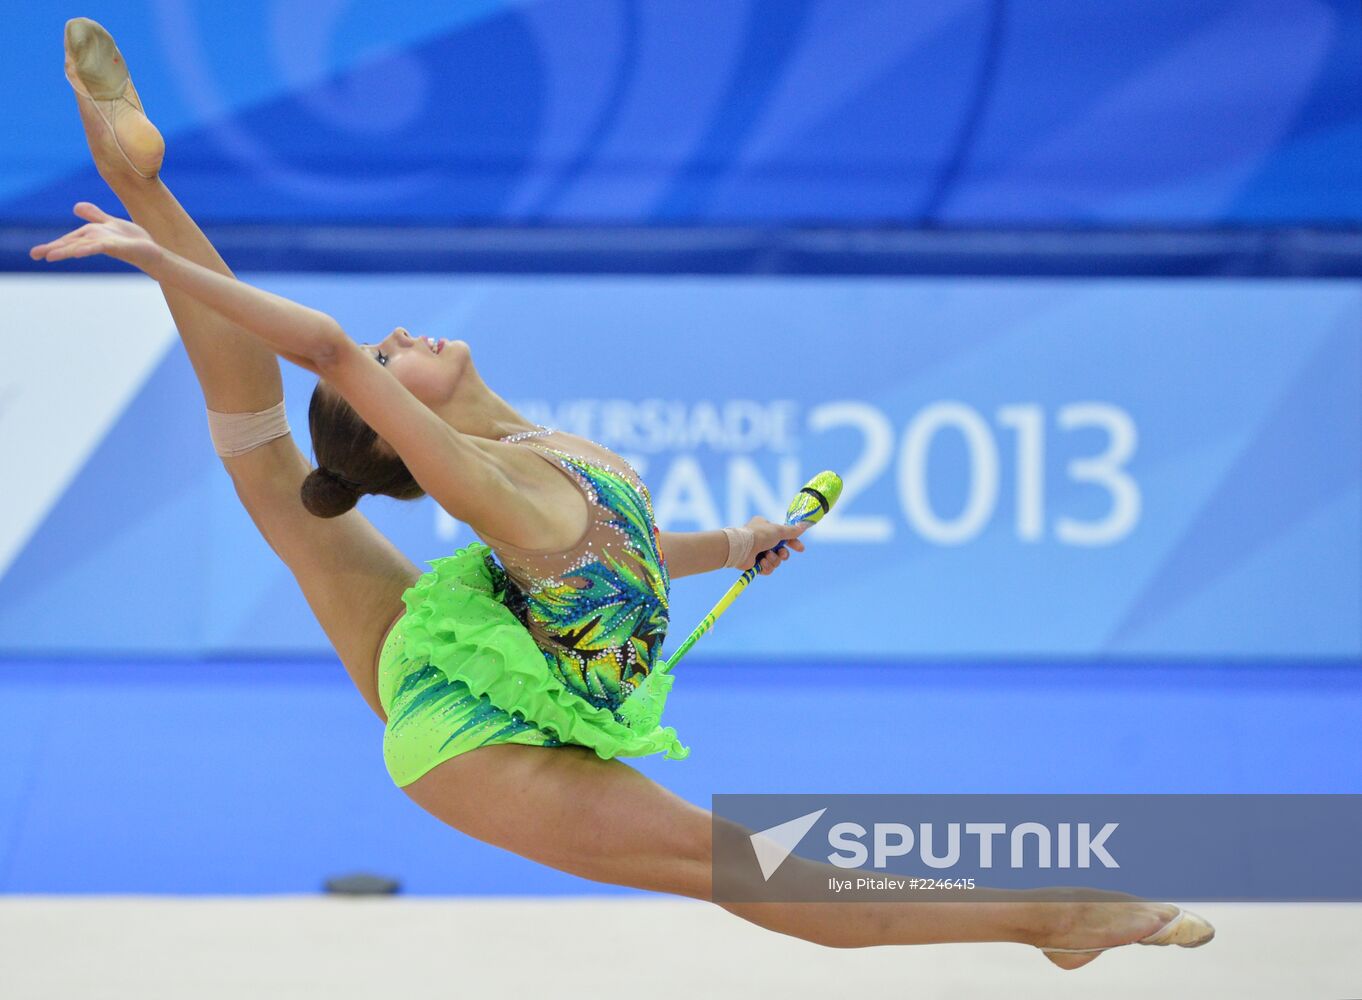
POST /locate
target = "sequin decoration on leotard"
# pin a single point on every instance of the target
(598, 610)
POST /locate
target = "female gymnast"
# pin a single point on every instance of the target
(513, 675)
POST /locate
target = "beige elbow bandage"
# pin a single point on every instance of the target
(742, 543)
(237, 433)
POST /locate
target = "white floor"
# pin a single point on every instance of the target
(207, 948)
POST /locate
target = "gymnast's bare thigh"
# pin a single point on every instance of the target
(567, 808)
(351, 575)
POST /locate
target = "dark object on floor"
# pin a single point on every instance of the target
(362, 885)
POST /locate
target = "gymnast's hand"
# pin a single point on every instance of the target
(118, 238)
(769, 534)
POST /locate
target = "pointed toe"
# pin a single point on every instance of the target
(80, 31)
(98, 72)
(1186, 930)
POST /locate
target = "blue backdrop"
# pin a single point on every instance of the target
(948, 112)
(1033, 467)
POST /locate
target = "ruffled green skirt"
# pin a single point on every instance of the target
(459, 671)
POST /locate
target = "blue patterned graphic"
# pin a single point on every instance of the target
(950, 112)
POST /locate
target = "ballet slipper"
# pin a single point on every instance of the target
(97, 72)
(1185, 929)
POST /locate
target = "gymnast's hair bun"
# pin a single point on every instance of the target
(328, 494)
(342, 440)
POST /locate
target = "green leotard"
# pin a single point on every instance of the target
(504, 645)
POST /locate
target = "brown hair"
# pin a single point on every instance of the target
(352, 459)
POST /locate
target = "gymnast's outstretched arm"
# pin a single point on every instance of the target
(352, 577)
(460, 472)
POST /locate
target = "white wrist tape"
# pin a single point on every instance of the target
(237, 433)
(742, 544)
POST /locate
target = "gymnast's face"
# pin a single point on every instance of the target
(429, 368)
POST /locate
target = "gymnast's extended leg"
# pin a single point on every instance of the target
(352, 576)
(602, 820)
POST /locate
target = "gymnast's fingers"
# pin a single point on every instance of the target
(84, 247)
(59, 249)
(40, 251)
(91, 212)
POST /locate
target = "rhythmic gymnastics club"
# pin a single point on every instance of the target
(814, 499)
